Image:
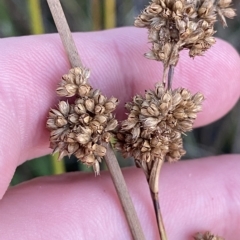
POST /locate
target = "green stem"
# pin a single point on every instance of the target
(109, 14)
(35, 17)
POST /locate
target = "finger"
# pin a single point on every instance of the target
(115, 58)
(195, 196)
(31, 68)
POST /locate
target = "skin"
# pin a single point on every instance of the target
(198, 195)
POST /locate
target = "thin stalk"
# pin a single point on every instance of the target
(96, 15)
(154, 189)
(154, 176)
(37, 27)
(65, 33)
(114, 169)
(35, 17)
(169, 68)
(58, 165)
(158, 214)
(170, 77)
(165, 73)
(109, 14)
(123, 193)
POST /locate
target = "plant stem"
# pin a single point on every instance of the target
(36, 20)
(170, 77)
(112, 163)
(96, 15)
(154, 189)
(58, 166)
(65, 33)
(159, 218)
(123, 194)
(109, 14)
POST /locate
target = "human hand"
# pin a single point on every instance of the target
(196, 195)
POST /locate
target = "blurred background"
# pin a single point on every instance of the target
(25, 17)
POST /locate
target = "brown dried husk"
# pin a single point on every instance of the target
(156, 122)
(207, 236)
(82, 127)
(182, 24)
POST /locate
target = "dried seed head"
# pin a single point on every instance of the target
(182, 24)
(75, 83)
(224, 10)
(99, 150)
(154, 125)
(81, 128)
(207, 236)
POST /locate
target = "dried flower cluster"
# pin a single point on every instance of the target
(182, 24)
(152, 133)
(155, 123)
(207, 236)
(81, 128)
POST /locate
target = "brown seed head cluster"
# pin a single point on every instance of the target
(81, 128)
(207, 236)
(155, 123)
(223, 8)
(182, 24)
